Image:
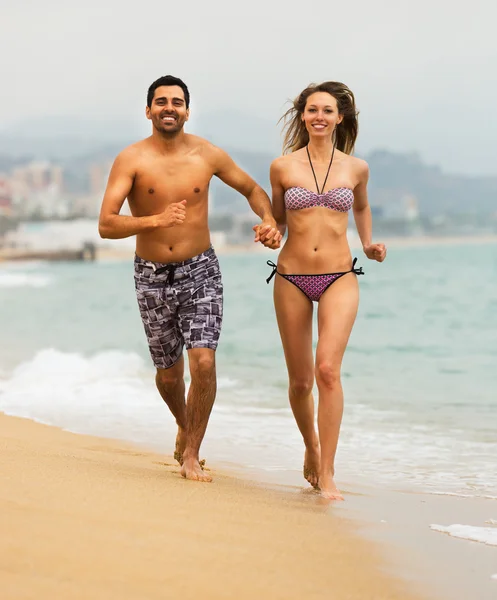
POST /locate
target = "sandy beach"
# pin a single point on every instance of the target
(84, 517)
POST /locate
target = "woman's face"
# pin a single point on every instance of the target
(321, 115)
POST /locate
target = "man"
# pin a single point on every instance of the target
(165, 178)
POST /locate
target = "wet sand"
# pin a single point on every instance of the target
(84, 517)
(446, 567)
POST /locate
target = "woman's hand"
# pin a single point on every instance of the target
(376, 252)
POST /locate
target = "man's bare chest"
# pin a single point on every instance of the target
(163, 182)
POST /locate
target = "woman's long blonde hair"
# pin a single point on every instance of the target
(296, 135)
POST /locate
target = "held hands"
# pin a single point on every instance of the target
(376, 252)
(268, 234)
(173, 215)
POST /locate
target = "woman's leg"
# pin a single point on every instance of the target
(336, 315)
(294, 316)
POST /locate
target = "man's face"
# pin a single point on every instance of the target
(168, 111)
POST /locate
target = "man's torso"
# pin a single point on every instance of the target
(161, 180)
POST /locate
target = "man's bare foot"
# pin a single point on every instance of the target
(328, 487)
(180, 445)
(311, 465)
(191, 469)
(180, 448)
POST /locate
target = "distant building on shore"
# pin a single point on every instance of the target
(5, 198)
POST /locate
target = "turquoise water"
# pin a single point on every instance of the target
(419, 374)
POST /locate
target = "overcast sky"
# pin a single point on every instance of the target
(424, 72)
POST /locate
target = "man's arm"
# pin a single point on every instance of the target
(278, 194)
(230, 173)
(111, 224)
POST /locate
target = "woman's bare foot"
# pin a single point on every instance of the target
(180, 445)
(311, 465)
(328, 487)
(191, 469)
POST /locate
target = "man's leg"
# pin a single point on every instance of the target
(200, 318)
(201, 397)
(158, 309)
(171, 385)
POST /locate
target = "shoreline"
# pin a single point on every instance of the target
(430, 241)
(107, 253)
(116, 253)
(92, 517)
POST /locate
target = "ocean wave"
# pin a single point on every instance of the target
(53, 367)
(466, 495)
(107, 392)
(484, 535)
(12, 279)
(69, 389)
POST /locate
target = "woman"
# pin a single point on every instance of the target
(315, 184)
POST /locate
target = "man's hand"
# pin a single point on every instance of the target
(268, 234)
(173, 215)
(376, 252)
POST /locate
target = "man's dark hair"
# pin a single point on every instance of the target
(168, 80)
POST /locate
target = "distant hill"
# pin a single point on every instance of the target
(396, 175)
(76, 143)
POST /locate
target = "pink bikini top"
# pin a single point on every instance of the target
(340, 199)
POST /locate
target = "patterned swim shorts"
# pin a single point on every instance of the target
(181, 304)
